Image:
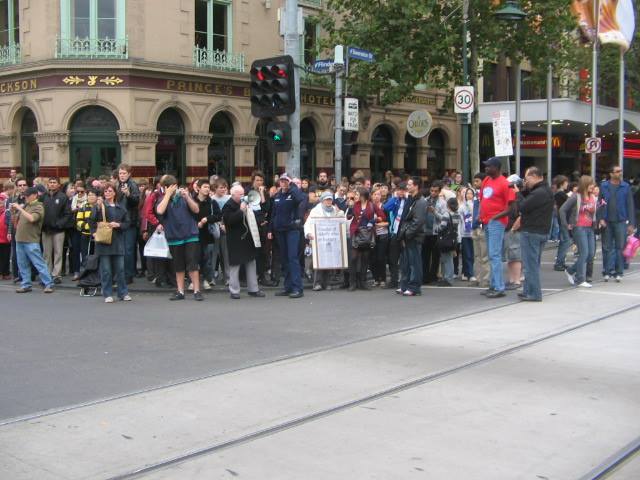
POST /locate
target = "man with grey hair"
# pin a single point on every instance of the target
(240, 242)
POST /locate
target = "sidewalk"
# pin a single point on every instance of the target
(125, 434)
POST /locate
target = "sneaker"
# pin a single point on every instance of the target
(606, 278)
(258, 294)
(177, 296)
(473, 279)
(382, 285)
(495, 294)
(317, 288)
(206, 285)
(296, 295)
(464, 278)
(48, 289)
(512, 286)
(108, 300)
(126, 298)
(408, 293)
(197, 296)
(190, 287)
(57, 280)
(585, 285)
(399, 291)
(23, 290)
(618, 278)
(570, 277)
(234, 296)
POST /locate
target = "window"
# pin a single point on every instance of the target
(93, 19)
(310, 40)
(489, 84)
(9, 23)
(213, 25)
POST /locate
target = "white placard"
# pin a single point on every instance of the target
(351, 115)
(419, 123)
(463, 99)
(502, 142)
(330, 244)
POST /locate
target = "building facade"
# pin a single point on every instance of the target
(164, 86)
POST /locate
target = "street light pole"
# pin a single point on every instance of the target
(464, 127)
(594, 83)
(339, 69)
(292, 47)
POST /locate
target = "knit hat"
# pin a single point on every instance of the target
(326, 194)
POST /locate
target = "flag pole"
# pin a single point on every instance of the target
(621, 112)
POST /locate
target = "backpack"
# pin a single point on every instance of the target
(447, 237)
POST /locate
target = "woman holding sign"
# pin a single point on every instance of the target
(324, 209)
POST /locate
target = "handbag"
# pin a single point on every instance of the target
(364, 238)
(214, 228)
(104, 231)
(447, 238)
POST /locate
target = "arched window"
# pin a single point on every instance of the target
(170, 146)
(30, 155)
(264, 159)
(307, 149)
(220, 155)
(435, 155)
(381, 152)
(95, 149)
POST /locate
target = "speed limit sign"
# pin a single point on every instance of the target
(463, 99)
(593, 145)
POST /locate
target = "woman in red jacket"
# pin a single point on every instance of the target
(362, 228)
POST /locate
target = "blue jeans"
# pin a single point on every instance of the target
(532, 245)
(554, 233)
(446, 265)
(27, 254)
(289, 244)
(563, 248)
(112, 268)
(411, 267)
(130, 244)
(467, 257)
(206, 267)
(494, 235)
(615, 237)
(586, 242)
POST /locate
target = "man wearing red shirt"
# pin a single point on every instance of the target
(495, 197)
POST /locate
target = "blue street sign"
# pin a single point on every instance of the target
(360, 54)
(322, 66)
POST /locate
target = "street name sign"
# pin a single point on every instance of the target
(351, 123)
(323, 66)
(502, 143)
(463, 99)
(361, 54)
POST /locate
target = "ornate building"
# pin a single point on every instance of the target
(163, 86)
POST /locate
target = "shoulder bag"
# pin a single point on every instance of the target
(104, 232)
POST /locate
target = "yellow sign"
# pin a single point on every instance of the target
(18, 86)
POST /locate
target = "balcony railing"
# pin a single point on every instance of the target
(10, 54)
(93, 48)
(218, 60)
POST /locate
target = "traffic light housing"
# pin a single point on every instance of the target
(349, 143)
(273, 87)
(279, 136)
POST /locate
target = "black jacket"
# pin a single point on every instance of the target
(536, 209)
(57, 213)
(131, 202)
(116, 213)
(210, 209)
(413, 226)
(239, 240)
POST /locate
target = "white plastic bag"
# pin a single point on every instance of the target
(157, 246)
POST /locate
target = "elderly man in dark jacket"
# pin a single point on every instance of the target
(536, 210)
(412, 233)
(242, 250)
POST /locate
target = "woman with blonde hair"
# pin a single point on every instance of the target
(578, 216)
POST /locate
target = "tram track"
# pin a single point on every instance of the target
(612, 464)
(607, 467)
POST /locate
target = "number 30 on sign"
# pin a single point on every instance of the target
(463, 99)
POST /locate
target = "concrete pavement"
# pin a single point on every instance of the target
(115, 437)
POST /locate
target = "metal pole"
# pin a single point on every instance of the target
(549, 120)
(594, 83)
(464, 128)
(338, 126)
(292, 47)
(518, 113)
(621, 113)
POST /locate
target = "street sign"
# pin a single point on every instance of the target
(323, 66)
(361, 54)
(503, 146)
(351, 115)
(593, 145)
(419, 123)
(463, 99)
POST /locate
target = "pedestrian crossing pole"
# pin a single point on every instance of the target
(292, 47)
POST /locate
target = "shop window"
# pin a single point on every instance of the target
(213, 25)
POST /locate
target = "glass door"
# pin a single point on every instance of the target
(94, 160)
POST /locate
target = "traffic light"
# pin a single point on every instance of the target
(349, 145)
(273, 87)
(279, 136)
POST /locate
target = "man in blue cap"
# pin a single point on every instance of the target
(287, 213)
(495, 199)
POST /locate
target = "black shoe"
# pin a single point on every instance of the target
(487, 291)
(258, 294)
(282, 293)
(529, 299)
(496, 294)
(235, 296)
(177, 296)
(512, 286)
(444, 283)
(296, 295)
(141, 275)
(559, 268)
(364, 286)
(57, 280)
(197, 296)
(265, 282)
(129, 280)
(521, 295)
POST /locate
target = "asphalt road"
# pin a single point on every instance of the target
(61, 350)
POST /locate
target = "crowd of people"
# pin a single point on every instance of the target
(402, 233)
